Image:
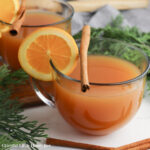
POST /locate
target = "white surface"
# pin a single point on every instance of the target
(137, 129)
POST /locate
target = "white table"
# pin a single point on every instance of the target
(137, 129)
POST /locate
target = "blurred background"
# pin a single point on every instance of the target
(98, 13)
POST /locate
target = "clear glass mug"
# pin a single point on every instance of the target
(106, 106)
(54, 13)
(39, 13)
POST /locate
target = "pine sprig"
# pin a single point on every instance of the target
(12, 78)
(4, 71)
(14, 127)
(6, 142)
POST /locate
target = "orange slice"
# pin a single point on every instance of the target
(44, 44)
(8, 11)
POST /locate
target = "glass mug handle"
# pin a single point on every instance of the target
(47, 98)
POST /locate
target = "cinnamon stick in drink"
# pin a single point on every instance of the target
(19, 20)
(85, 40)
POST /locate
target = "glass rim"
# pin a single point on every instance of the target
(51, 24)
(142, 75)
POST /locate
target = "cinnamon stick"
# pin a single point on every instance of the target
(64, 143)
(85, 40)
(139, 145)
(145, 146)
(19, 20)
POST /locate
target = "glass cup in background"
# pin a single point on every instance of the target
(39, 13)
(106, 107)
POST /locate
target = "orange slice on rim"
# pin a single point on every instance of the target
(44, 44)
(8, 13)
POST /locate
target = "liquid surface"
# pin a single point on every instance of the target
(40, 18)
(102, 109)
(104, 69)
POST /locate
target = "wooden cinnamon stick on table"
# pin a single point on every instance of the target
(139, 145)
(64, 143)
(19, 20)
(84, 45)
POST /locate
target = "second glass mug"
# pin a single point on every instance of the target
(107, 106)
(39, 13)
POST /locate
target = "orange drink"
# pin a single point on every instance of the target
(102, 109)
(116, 73)
(39, 14)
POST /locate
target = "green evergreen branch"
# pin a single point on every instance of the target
(14, 127)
